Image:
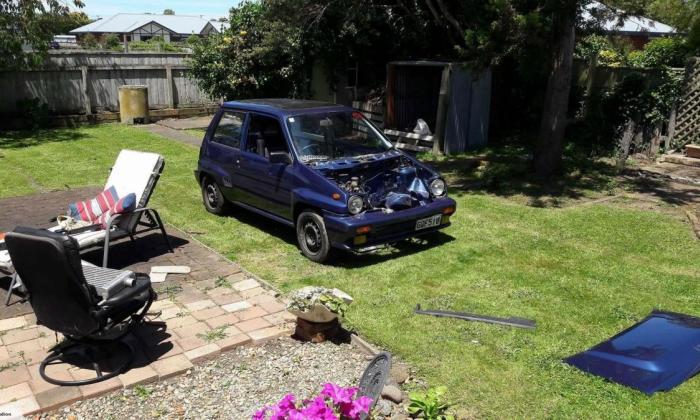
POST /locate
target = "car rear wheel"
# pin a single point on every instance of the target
(312, 236)
(212, 196)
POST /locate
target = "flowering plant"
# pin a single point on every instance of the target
(332, 403)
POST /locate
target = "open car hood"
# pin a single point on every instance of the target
(656, 354)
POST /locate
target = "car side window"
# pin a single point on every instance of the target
(269, 130)
(229, 130)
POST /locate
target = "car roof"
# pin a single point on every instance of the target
(284, 107)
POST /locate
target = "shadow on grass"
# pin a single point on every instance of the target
(27, 138)
(508, 173)
(658, 186)
(399, 249)
(343, 258)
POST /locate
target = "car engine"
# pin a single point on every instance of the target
(390, 185)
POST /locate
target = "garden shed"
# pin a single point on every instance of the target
(452, 99)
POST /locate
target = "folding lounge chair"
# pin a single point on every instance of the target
(133, 172)
(92, 307)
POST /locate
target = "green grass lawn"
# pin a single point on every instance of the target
(584, 273)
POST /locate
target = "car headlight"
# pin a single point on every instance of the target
(438, 187)
(355, 204)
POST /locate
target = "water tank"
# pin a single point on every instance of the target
(133, 104)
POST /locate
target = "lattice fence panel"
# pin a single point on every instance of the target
(688, 117)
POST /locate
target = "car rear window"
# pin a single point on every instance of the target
(228, 132)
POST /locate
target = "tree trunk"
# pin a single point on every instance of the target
(549, 148)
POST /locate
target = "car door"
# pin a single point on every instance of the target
(224, 148)
(260, 183)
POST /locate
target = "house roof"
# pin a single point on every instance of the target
(128, 22)
(618, 22)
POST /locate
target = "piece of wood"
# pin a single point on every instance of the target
(171, 269)
(411, 147)
(170, 87)
(692, 151)
(408, 135)
(158, 277)
(443, 104)
(84, 89)
(671, 130)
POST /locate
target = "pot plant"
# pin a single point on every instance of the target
(318, 311)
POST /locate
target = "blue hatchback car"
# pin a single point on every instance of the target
(322, 169)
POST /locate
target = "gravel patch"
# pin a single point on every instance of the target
(233, 386)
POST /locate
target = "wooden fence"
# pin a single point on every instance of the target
(88, 82)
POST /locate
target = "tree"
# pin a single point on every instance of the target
(258, 55)
(168, 12)
(539, 35)
(62, 24)
(27, 30)
(550, 140)
(271, 45)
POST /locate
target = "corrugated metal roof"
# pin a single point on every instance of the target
(128, 22)
(627, 24)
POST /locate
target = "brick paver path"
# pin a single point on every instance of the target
(214, 308)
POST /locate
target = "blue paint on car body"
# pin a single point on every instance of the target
(316, 158)
(656, 354)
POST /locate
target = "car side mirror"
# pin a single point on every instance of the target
(280, 158)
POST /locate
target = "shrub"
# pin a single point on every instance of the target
(430, 405)
(659, 52)
(89, 41)
(111, 41)
(34, 111)
(592, 45)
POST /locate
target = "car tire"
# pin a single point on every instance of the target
(213, 198)
(313, 237)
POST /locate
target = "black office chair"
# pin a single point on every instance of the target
(63, 300)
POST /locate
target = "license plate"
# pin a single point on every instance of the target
(428, 222)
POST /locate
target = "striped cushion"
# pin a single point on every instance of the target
(124, 205)
(92, 209)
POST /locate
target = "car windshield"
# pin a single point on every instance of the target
(335, 135)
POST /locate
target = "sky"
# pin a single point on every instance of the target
(206, 8)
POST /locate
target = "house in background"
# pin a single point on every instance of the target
(142, 27)
(638, 30)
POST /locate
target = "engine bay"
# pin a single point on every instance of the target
(387, 185)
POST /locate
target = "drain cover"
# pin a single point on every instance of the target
(374, 377)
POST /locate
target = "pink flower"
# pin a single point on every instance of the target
(260, 414)
(333, 401)
(338, 394)
(288, 402)
(360, 405)
(317, 409)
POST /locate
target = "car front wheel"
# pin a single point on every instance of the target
(312, 237)
(212, 196)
